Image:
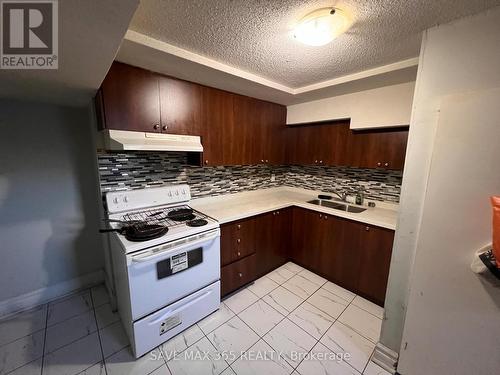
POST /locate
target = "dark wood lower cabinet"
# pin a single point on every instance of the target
(375, 259)
(237, 274)
(272, 232)
(253, 247)
(351, 254)
(237, 240)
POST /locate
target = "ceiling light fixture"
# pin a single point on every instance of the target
(322, 26)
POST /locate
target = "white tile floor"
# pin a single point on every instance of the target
(289, 321)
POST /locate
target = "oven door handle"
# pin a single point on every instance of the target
(176, 246)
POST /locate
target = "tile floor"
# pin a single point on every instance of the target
(310, 322)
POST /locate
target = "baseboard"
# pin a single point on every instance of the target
(47, 294)
(385, 358)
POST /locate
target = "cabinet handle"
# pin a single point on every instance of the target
(262, 160)
(238, 240)
(156, 126)
(239, 254)
(164, 127)
(277, 213)
(315, 162)
(325, 217)
(379, 164)
(320, 216)
(274, 213)
(238, 226)
(386, 164)
(240, 274)
(206, 161)
(321, 161)
(367, 228)
(267, 161)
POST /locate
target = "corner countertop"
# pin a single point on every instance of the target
(230, 207)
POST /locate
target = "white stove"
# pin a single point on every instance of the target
(165, 263)
(156, 206)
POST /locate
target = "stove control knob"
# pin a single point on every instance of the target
(125, 199)
(115, 200)
(183, 192)
(169, 193)
(177, 192)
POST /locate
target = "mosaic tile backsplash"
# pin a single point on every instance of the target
(134, 170)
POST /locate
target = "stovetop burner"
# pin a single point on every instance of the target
(170, 217)
(181, 214)
(197, 223)
(143, 232)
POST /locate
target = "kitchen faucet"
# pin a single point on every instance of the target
(342, 196)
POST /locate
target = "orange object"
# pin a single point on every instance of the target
(495, 201)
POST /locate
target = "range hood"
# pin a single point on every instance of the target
(118, 140)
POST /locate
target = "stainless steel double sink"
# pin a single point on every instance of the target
(337, 205)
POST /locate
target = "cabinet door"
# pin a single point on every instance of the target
(272, 233)
(375, 259)
(337, 145)
(269, 144)
(237, 274)
(320, 144)
(180, 106)
(385, 148)
(308, 242)
(239, 138)
(217, 125)
(394, 148)
(302, 145)
(363, 150)
(330, 248)
(130, 99)
(347, 256)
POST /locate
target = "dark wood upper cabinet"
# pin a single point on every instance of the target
(128, 99)
(217, 122)
(269, 145)
(318, 144)
(239, 146)
(382, 148)
(236, 129)
(180, 106)
(335, 144)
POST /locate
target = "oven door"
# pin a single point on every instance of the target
(161, 275)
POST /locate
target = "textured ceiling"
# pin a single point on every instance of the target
(255, 35)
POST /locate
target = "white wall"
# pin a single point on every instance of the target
(49, 213)
(453, 316)
(382, 107)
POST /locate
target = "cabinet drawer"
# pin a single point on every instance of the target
(237, 274)
(237, 240)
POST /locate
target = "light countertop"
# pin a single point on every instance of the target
(230, 207)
